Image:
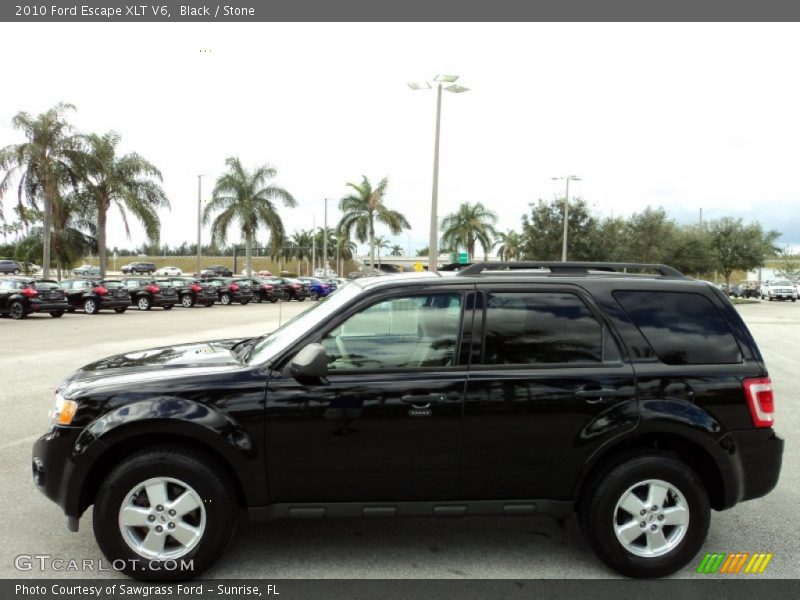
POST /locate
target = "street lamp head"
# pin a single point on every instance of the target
(446, 78)
(419, 85)
(456, 89)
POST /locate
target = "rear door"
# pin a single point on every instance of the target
(548, 385)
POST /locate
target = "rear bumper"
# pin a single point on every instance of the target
(753, 464)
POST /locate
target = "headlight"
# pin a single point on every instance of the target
(63, 411)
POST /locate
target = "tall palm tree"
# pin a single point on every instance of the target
(396, 250)
(128, 182)
(247, 197)
(45, 163)
(381, 243)
(510, 245)
(365, 207)
(470, 224)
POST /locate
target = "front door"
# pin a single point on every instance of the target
(385, 424)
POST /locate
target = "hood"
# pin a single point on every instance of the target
(156, 364)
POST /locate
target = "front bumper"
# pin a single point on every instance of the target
(53, 468)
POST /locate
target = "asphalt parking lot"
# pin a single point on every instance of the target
(39, 351)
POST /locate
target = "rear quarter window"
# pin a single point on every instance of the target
(683, 328)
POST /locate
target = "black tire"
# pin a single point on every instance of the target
(189, 467)
(599, 514)
(90, 306)
(168, 306)
(187, 301)
(57, 314)
(17, 310)
(258, 298)
(244, 302)
(144, 303)
(16, 271)
(301, 298)
(273, 300)
(225, 299)
(314, 296)
(120, 309)
(209, 304)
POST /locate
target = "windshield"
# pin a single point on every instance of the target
(284, 336)
(784, 282)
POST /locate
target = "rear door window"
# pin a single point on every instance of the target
(682, 328)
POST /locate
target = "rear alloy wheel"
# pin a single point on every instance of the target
(16, 310)
(57, 314)
(90, 306)
(187, 301)
(120, 309)
(648, 516)
(165, 513)
(225, 299)
(143, 303)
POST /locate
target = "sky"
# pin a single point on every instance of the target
(684, 116)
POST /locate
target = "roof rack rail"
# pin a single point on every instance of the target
(570, 268)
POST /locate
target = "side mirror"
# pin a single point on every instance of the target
(310, 363)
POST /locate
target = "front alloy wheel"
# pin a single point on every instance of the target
(16, 310)
(187, 301)
(90, 306)
(167, 512)
(225, 299)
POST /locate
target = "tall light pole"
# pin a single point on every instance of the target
(566, 178)
(199, 217)
(325, 243)
(433, 244)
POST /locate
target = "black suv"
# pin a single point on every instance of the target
(142, 268)
(230, 290)
(93, 295)
(640, 401)
(191, 291)
(145, 294)
(21, 296)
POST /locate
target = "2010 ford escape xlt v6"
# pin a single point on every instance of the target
(628, 393)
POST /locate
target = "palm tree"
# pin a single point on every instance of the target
(363, 208)
(126, 182)
(45, 163)
(397, 250)
(510, 245)
(247, 197)
(381, 243)
(470, 224)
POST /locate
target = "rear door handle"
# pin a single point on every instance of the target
(423, 398)
(594, 395)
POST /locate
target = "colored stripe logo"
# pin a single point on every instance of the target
(734, 563)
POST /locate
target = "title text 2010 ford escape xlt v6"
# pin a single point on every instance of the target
(638, 400)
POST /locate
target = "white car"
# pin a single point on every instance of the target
(169, 272)
(780, 289)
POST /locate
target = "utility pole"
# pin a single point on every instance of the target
(313, 245)
(325, 243)
(199, 217)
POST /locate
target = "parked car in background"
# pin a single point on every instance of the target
(86, 270)
(142, 268)
(779, 289)
(220, 270)
(292, 289)
(145, 293)
(316, 287)
(230, 290)
(263, 291)
(10, 266)
(169, 272)
(93, 294)
(20, 296)
(735, 290)
(191, 291)
(262, 273)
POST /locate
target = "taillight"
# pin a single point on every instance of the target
(153, 289)
(29, 292)
(196, 287)
(233, 287)
(761, 401)
(100, 290)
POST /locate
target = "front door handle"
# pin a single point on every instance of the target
(593, 395)
(423, 398)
